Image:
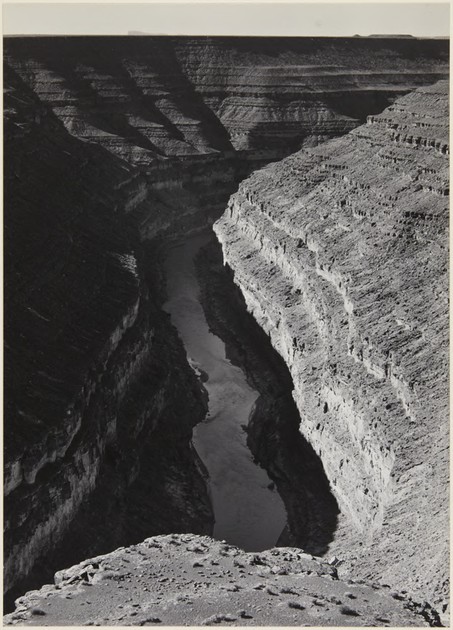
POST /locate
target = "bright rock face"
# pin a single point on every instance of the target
(341, 254)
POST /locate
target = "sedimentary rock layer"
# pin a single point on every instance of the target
(341, 254)
(193, 580)
(147, 99)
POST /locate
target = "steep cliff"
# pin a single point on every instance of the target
(341, 254)
(91, 362)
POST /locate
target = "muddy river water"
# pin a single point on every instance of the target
(248, 512)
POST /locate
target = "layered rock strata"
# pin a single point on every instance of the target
(193, 580)
(92, 365)
(341, 254)
(152, 98)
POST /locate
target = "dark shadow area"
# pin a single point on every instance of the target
(93, 108)
(129, 458)
(150, 481)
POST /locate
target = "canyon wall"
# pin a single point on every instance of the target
(148, 99)
(110, 142)
(92, 365)
(341, 253)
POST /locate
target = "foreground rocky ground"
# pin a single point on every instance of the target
(194, 580)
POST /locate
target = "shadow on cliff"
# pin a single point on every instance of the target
(126, 470)
(72, 59)
(191, 103)
(92, 108)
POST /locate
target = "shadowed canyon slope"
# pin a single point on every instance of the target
(113, 147)
(92, 365)
(341, 254)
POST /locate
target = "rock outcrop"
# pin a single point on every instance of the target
(193, 580)
(341, 254)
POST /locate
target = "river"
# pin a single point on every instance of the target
(248, 512)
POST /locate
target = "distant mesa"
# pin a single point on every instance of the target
(394, 36)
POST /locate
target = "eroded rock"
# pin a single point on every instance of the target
(341, 254)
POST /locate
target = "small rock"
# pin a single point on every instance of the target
(286, 590)
(244, 615)
(335, 600)
(214, 619)
(296, 605)
(334, 561)
(398, 596)
(345, 610)
(256, 560)
(38, 611)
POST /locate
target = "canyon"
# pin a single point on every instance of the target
(119, 149)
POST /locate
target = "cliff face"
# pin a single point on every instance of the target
(91, 363)
(341, 254)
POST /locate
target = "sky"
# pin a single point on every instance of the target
(421, 19)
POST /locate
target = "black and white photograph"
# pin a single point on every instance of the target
(226, 314)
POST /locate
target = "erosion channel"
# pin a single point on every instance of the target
(249, 440)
